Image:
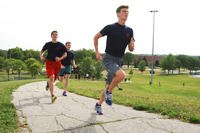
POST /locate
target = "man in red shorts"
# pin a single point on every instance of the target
(55, 53)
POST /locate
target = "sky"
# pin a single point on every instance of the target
(27, 23)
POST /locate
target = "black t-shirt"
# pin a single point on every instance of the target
(68, 59)
(54, 50)
(118, 37)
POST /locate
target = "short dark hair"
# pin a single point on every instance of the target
(67, 43)
(121, 7)
(54, 32)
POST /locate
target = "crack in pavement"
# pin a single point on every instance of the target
(58, 123)
(79, 102)
(149, 124)
(103, 128)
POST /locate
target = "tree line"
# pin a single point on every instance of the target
(16, 60)
(178, 62)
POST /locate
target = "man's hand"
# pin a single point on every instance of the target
(42, 58)
(98, 56)
(62, 66)
(57, 59)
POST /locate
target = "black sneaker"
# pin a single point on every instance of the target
(47, 86)
(120, 89)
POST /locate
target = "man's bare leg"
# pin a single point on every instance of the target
(119, 76)
(51, 88)
(51, 85)
(66, 82)
(102, 97)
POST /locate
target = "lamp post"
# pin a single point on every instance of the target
(152, 68)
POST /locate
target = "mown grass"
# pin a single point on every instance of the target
(8, 116)
(169, 98)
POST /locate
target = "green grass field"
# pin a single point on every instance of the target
(171, 98)
(8, 116)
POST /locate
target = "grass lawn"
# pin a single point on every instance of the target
(8, 116)
(171, 98)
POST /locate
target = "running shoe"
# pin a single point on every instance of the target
(47, 86)
(64, 93)
(53, 98)
(108, 97)
(98, 109)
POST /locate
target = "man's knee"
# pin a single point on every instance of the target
(51, 78)
(120, 74)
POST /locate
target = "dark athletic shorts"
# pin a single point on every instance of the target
(111, 64)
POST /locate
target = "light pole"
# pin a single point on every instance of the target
(152, 68)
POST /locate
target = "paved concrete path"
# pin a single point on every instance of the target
(75, 114)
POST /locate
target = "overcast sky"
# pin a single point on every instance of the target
(28, 23)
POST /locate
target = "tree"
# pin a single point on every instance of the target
(34, 67)
(79, 55)
(3, 53)
(98, 69)
(15, 53)
(86, 66)
(31, 54)
(169, 63)
(1, 62)
(178, 65)
(128, 59)
(142, 65)
(8, 65)
(18, 66)
(183, 60)
(193, 64)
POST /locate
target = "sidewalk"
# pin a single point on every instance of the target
(75, 114)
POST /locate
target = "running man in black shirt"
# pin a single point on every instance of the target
(119, 36)
(65, 70)
(55, 53)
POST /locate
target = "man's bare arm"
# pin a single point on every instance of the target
(96, 37)
(62, 57)
(73, 64)
(42, 56)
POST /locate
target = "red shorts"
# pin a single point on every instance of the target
(53, 68)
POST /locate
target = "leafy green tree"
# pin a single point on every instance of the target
(87, 66)
(31, 54)
(18, 66)
(178, 65)
(79, 55)
(33, 66)
(8, 66)
(193, 64)
(183, 61)
(3, 53)
(35, 69)
(1, 62)
(128, 59)
(15, 53)
(142, 65)
(98, 69)
(169, 63)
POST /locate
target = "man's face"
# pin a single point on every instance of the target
(68, 46)
(54, 36)
(123, 14)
